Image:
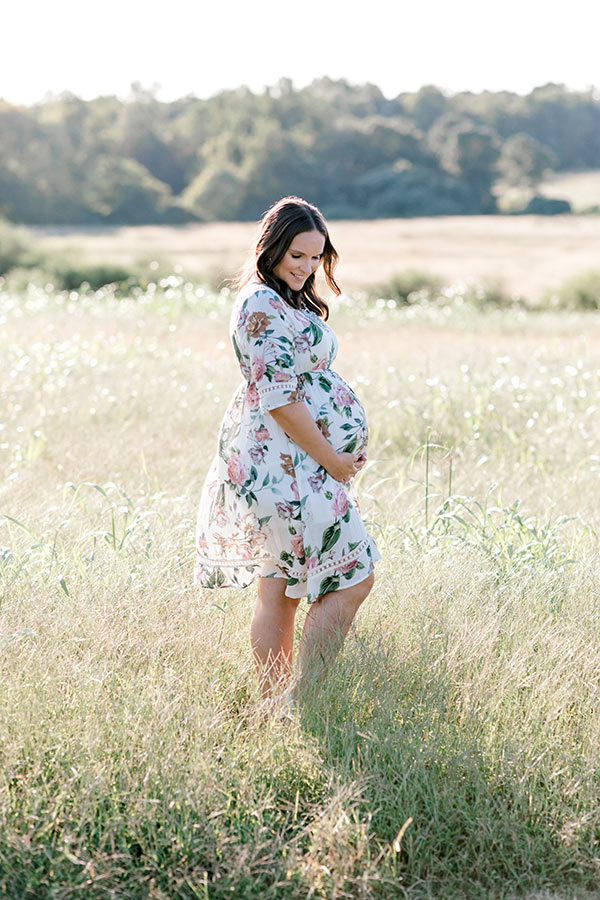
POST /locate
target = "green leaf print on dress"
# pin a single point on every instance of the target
(331, 536)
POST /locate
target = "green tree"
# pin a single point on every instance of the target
(216, 193)
(407, 189)
(524, 161)
(470, 151)
(276, 163)
(145, 135)
(66, 160)
(122, 190)
(425, 107)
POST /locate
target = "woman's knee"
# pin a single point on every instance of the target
(271, 594)
(357, 593)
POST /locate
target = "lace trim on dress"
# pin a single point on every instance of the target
(289, 391)
(301, 575)
(280, 386)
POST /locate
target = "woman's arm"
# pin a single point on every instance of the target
(297, 422)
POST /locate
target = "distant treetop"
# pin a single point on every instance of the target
(347, 148)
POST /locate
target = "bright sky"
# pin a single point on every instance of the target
(194, 47)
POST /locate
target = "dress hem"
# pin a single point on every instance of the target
(301, 576)
(302, 586)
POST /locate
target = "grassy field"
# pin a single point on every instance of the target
(453, 752)
(581, 189)
(525, 254)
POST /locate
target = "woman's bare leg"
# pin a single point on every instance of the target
(325, 627)
(272, 635)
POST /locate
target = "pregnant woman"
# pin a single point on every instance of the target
(278, 504)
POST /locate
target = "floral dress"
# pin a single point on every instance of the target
(267, 507)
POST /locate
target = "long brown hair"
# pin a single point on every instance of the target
(277, 229)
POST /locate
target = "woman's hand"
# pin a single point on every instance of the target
(345, 466)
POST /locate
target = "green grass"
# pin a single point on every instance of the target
(452, 752)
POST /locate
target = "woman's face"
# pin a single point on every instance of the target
(301, 259)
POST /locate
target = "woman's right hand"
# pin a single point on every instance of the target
(344, 467)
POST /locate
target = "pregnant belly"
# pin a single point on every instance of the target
(338, 412)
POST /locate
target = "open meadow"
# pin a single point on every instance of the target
(453, 751)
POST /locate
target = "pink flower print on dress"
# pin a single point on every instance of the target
(302, 342)
(276, 303)
(316, 482)
(262, 434)
(346, 567)
(253, 396)
(321, 363)
(342, 395)
(257, 454)
(297, 545)
(244, 551)
(249, 533)
(248, 525)
(340, 503)
(294, 489)
(311, 562)
(221, 517)
(259, 367)
(236, 470)
(285, 510)
(212, 488)
(282, 376)
(221, 542)
(202, 543)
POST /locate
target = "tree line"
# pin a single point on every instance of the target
(347, 148)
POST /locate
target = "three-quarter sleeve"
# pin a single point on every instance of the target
(265, 337)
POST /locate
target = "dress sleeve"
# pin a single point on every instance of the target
(264, 333)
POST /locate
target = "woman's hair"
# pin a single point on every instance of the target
(277, 229)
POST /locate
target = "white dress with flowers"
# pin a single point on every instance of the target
(267, 507)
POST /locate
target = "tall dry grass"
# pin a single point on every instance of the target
(451, 753)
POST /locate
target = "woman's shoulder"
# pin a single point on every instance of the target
(255, 295)
(256, 286)
(257, 306)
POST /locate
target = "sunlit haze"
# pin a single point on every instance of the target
(200, 49)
